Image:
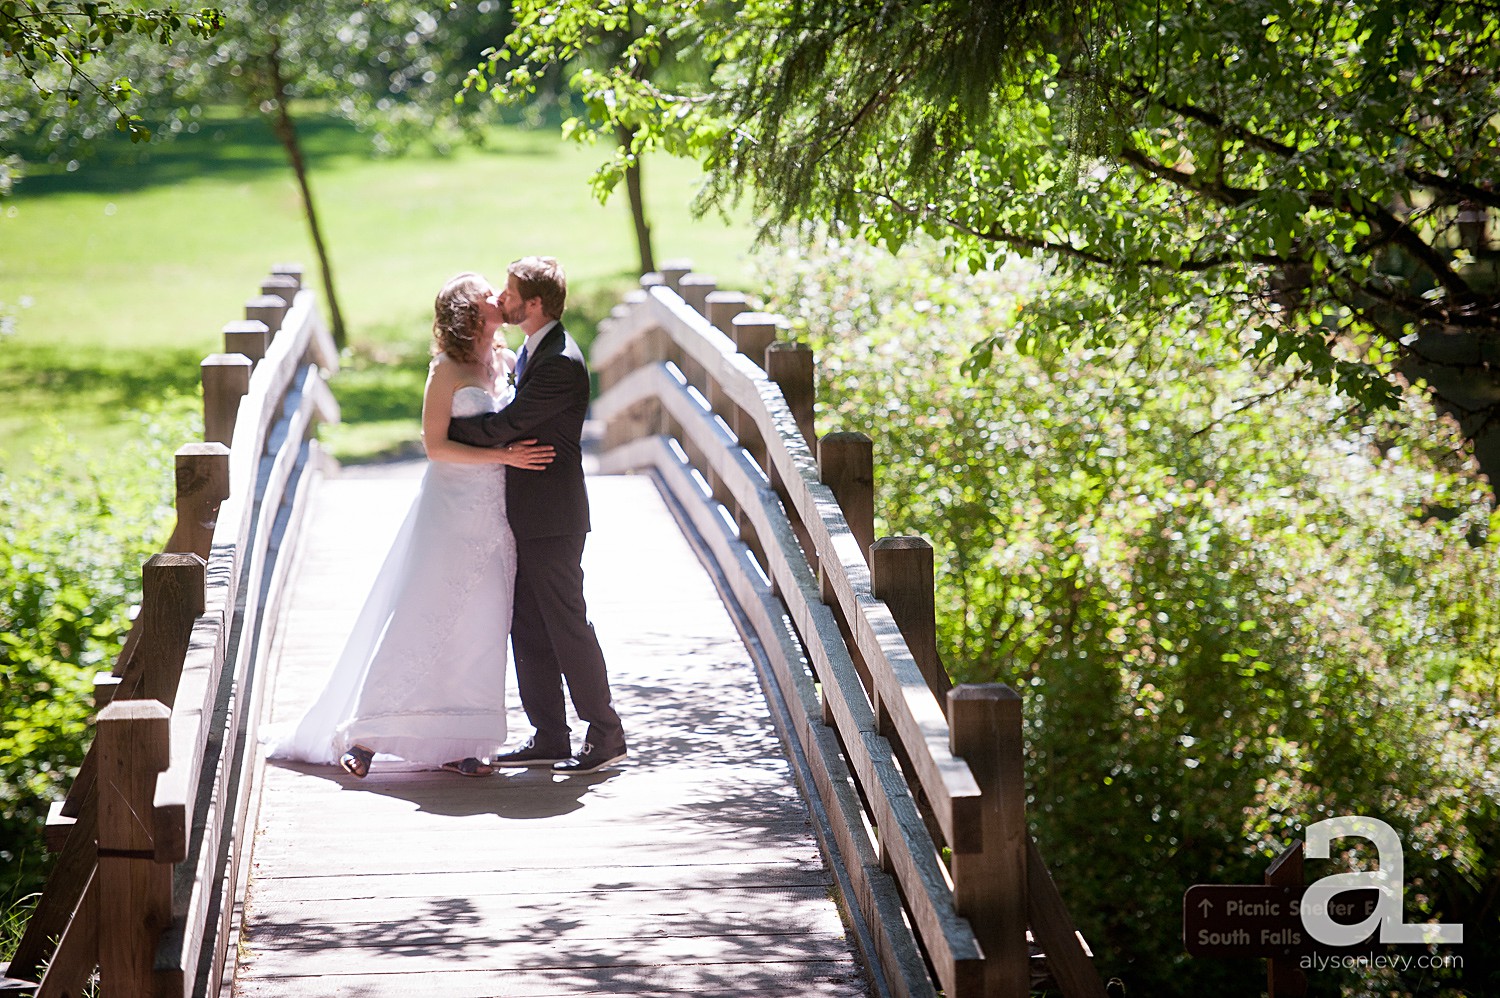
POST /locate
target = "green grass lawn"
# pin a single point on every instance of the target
(121, 274)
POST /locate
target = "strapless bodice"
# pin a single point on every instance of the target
(471, 400)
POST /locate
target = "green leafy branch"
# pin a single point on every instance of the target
(42, 36)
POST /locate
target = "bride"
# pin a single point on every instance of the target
(422, 675)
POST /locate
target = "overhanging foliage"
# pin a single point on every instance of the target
(1323, 174)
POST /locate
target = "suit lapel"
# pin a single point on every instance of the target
(551, 344)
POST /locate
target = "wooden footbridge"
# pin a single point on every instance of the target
(808, 808)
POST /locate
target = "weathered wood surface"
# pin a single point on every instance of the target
(691, 869)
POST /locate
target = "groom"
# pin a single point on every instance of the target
(549, 514)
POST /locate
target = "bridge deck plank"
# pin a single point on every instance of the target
(691, 869)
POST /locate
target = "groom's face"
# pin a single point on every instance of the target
(512, 305)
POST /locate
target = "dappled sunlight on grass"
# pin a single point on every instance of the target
(90, 396)
(122, 273)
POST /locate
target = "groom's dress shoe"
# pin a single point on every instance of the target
(590, 760)
(530, 754)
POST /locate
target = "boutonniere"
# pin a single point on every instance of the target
(510, 378)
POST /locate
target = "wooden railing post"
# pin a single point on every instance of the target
(720, 308)
(901, 575)
(290, 270)
(723, 306)
(173, 594)
(226, 380)
(752, 333)
(270, 309)
(105, 685)
(989, 886)
(250, 337)
(283, 286)
(695, 289)
(791, 366)
(659, 346)
(608, 374)
(846, 464)
(673, 271)
(639, 354)
(135, 892)
(202, 485)
(646, 419)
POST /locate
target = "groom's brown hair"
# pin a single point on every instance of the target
(541, 277)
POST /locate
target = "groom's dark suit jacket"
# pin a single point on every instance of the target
(552, 398)
(549, 512)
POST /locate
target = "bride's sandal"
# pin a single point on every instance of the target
(356, 761)
(468, 767)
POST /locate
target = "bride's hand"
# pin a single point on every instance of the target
(528, 455)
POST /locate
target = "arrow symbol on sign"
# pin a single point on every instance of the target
(1205, 906)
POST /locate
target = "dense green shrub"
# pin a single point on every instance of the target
(1234, 603)
(75, 537)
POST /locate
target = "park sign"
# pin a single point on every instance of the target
(1287, 920)
(1266, 920)
(1284, 917)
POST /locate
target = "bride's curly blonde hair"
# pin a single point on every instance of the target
(458, 317)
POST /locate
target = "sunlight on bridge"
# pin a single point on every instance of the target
(693, 867)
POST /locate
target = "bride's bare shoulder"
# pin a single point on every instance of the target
(446, 367)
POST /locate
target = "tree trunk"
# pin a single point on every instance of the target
(286, 131)
(626, 136)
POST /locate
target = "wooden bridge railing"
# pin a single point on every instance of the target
(151, 834)
(697, 387)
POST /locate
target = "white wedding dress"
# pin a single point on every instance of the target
(422, 675)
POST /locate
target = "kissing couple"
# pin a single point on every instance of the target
(491, 549)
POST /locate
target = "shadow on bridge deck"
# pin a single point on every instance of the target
(691, 869)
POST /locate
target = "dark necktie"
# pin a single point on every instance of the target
(520, 362)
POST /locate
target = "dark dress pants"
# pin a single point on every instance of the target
(553, 641)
